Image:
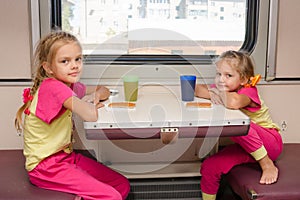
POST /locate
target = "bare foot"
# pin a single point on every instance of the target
(269, 171)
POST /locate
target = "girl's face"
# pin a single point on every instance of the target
(227, 79)
(67, 63)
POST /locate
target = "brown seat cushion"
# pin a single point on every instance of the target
(244, 179)
(14, 182)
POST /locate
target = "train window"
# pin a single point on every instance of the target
(152, 30)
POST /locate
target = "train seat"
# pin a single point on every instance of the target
(244, 179)
(15, 184)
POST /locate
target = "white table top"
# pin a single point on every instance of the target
(160, 107)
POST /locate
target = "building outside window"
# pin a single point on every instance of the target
(148, 27)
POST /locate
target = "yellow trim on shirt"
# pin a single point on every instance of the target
(261, 117)
(259, 153)
(208, 196)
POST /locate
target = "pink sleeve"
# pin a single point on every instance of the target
(252, 93)
(79, 89)
(52, 94)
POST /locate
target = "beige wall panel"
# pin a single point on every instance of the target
(15, 39)
(283, 103)
(11, 100)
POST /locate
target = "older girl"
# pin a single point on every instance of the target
(48, 107)
(262, 144)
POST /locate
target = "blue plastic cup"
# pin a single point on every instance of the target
(187, 83)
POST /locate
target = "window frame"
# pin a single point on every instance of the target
(133, 59)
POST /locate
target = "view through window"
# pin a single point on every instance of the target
(164, 27)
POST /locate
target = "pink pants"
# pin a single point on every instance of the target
(77, 174)
(221, 163)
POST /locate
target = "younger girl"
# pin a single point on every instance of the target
(262, 144)
(48, 108)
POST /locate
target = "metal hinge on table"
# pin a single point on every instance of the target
(168, 135)
(164, 130)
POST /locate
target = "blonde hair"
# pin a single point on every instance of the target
(45, 51)
(239, 61)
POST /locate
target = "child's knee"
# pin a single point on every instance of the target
(210, 165)
(124, 187)
(115, 195)
(112, 194)
(205, 165)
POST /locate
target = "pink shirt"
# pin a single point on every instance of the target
(252, 93)
(259, 114)
(52, 94)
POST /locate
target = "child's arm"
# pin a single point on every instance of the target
(97, 93)
(87, 111)
(101, 92)
(233, 100)
(86, 106)
(201, 90)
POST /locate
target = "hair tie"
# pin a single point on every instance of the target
(27, 111)
(253, 81)
(27, 97)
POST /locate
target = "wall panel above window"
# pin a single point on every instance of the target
(15, 49)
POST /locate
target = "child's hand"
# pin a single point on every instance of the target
(91, 99)
(201, 90)
(101, 93)
(99, 105)
(215, 96)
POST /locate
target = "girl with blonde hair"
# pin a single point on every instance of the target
(235, 89)
(48, 106)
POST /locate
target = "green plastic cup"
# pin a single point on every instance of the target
(131, 83)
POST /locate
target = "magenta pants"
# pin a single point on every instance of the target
(77, 174)
(221, 163)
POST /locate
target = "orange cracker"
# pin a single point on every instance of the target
(199, 104)
(121, 105)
